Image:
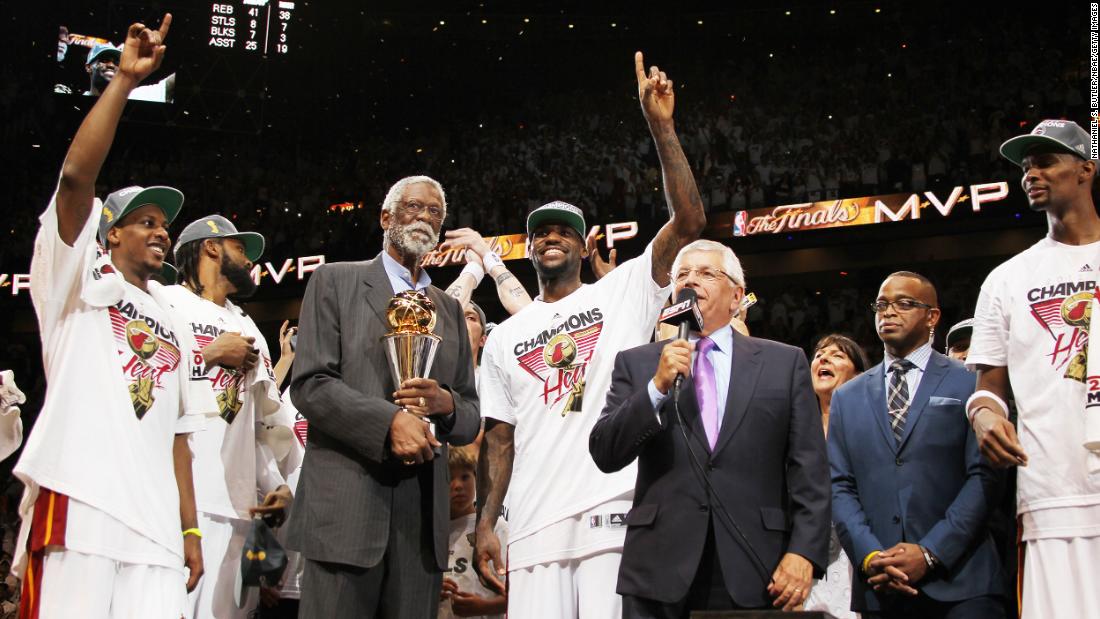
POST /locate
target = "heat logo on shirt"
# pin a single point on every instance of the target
(301, 428)
(226, 382)
(558, 358)
(148, 351)
(1065, 310)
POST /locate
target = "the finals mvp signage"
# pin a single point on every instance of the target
(851, 211)
(755, 222)
(514, 246)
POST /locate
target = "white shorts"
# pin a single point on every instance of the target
(1060, 578)
(222, 545)
(571, 589)
(74, 584)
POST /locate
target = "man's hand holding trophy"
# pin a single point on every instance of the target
(410, 349)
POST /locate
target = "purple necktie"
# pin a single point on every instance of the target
(705, 392)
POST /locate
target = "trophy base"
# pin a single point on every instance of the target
(410, 355)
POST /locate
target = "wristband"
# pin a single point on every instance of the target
(474, 270)
(491, 260)
(867, 559)
(193, 531)
(984, 394)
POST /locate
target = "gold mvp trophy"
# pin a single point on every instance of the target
(410, 344)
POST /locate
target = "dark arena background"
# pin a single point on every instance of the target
(296, 126)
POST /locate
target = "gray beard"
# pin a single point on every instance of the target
(403, 239)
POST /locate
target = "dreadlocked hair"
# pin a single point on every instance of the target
(187, 261)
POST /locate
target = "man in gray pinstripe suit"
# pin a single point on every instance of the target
(371, 513)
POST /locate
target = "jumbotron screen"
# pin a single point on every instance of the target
(90, 43)
(87, 62)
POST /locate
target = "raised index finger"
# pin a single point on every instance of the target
(164, 25)
(639, 67)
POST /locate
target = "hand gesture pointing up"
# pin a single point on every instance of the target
(655, 92)
(144, 49)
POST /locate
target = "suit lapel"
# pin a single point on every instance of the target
(441, 358)
(379, 290)
(876, 395)
(934, 373)
(436, 297)
(744, 375)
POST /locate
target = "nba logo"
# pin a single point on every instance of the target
(739, 221)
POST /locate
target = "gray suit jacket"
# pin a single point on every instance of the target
(343, 388)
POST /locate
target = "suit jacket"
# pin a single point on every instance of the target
(342, 385)
(768, 468)
(934, 489)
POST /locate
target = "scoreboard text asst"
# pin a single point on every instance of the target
(255, 26)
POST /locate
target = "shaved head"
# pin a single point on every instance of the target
(927, 289)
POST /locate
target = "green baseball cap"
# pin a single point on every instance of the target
(100, 49)
(127, 200)
(168, 274)
(218, 227)
(557, 211)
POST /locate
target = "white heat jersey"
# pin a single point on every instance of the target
(118, 395)
(547, 371)
(1033, 317)
(226, 455)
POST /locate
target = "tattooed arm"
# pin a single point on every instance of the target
(469, 279)
(510, 291)
(686, 216)
(494, 472)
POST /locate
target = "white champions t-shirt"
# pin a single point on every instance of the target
(1033, 317)
(460, 565)
(228, 464)
(547, 371)
(290, 465)
(117, 397)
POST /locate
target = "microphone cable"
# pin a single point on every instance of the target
(758, 563)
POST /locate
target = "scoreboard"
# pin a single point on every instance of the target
(256, 27)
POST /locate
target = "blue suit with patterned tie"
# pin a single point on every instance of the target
(931, 487)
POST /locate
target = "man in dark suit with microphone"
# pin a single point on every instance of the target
(731, 507)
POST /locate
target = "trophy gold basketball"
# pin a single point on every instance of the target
(410, 344)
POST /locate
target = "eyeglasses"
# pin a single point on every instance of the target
(901, 305)
(415, 208)
(706, 275)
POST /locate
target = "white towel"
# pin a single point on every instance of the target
(11, 426)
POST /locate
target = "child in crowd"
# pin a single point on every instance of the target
(463, 594)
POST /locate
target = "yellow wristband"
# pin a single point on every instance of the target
(197, 533)
(867, 559)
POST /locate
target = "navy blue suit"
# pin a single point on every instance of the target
(934, 489)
